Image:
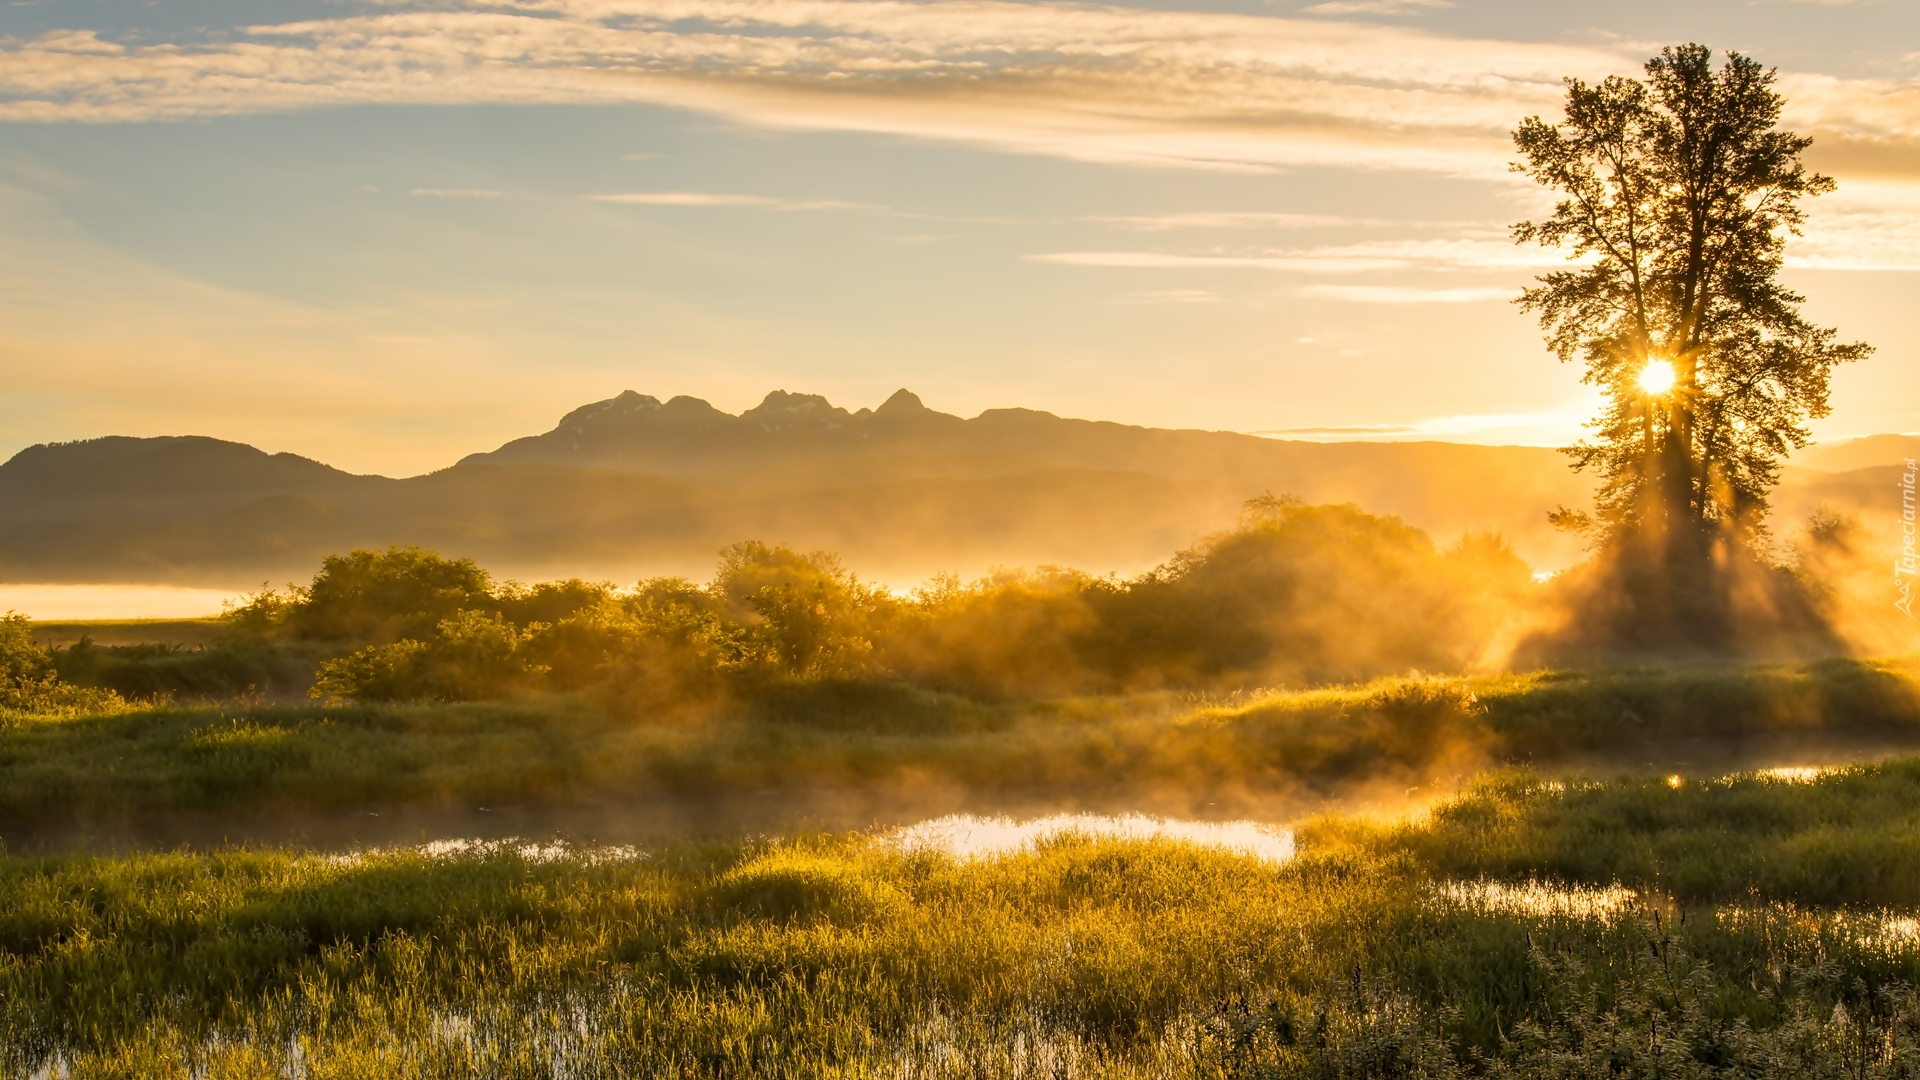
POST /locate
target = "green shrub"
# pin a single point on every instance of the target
(803, 614)
(228, 668)
(375, 673)
(382, 597)
(1305, 594)
(472, 656)
(29, 681)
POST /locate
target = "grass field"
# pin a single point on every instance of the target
(1567, 913)
(1378, 951)
(1384, 737)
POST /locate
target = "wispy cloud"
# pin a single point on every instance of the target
(1198, 89)
(1863, 226)
(1173, 296)
(1231, 219)
(1386, 294)
(1375, 7)
(1463, 253)
(1350, 430)
(1156, 260)
(710, 198)
(1526, 428)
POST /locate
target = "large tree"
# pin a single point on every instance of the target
(1678, 194)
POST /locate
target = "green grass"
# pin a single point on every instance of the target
(843, 956)
(1735, 926)
(1393, 734)
(1852, 837)
(182, 632)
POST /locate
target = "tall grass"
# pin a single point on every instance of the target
(1849, 836)
(1392, 735)
(846, 956)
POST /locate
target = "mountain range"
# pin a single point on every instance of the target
(633, 485)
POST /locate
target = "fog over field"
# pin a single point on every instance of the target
(631, 487)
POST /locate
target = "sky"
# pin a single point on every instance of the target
(388, 234)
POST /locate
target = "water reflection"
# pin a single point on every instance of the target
(971, 836)
(473, 847)
(1538, 899)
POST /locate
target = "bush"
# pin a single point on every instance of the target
(1304, 594)
(29, 682)
(244, 666)
(550, 601)
(387, 596)
(1297, 594)
(1011, 634)
(473, 656)
(804, 614)
(667, 640)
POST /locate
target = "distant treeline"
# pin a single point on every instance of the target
(1295, 595)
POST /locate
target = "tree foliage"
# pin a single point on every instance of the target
(29, 681)
(387, 595)
(1678, 194)
(1296, 594)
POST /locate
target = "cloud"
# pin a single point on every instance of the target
(1353, 430)
(1197, 89)
(1375, 7)
(1232, 220)
(1383, 294)
(1866, 225)
(1536, 428)
(1123, 85)
(1174, 296)
(1863, 226)
(459, 193)
(708, 198)
(1154, 260)
(1460, 253)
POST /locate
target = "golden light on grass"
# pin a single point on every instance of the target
(1657, 377)
(1676, 781)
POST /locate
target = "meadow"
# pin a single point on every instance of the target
(1564, 918)
(221, 857)
(1167, 751)
(1408, 949)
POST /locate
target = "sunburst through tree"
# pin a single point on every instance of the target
(1679, 192)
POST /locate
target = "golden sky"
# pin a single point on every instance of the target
(389, 234)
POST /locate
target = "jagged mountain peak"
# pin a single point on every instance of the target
(782, 411)
(627, 404)
(904, 402)
(637, 431)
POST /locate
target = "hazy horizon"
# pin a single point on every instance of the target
(1434, 433)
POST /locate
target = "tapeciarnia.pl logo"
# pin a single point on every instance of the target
(1903, 568)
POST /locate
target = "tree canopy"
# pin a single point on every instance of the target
(1678, 194)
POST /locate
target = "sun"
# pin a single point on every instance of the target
(1657, 377)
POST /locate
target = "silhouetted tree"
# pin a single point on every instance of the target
(1678, 194)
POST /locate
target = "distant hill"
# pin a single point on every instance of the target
(1872, 451)
(633, 485)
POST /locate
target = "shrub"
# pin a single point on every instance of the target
(1304, 594)
(473, 656)
(803, 614)
(382, 597)
(29, 682)
(668, 639)
(1009, 634)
